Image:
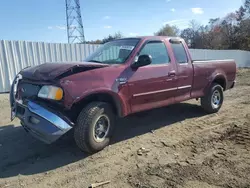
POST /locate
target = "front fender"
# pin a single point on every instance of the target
(119, 100)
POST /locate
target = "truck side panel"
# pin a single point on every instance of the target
(152, 86)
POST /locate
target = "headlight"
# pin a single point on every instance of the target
(51, 92)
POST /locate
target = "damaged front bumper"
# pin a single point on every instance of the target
(41, 123)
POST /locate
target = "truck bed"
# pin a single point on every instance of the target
(206, 70)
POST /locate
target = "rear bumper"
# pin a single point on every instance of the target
(41, 123)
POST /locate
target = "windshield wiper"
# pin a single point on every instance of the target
(94, 61)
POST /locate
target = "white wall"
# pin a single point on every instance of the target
(242, 58)
(15, 55)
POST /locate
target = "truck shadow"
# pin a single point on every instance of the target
(20, 153)
(148, 121)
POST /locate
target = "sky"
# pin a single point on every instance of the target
(45, 20)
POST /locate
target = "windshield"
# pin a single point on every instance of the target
(114, 52)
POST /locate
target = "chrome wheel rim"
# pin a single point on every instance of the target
(101, 128)
(216, 99)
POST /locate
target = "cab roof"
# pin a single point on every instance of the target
(151, 38)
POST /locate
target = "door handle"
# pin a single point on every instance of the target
(171, 73)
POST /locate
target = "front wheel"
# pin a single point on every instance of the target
(213, 100)
(94, 127)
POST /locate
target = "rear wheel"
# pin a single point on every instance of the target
(94, 127)
(213, 100)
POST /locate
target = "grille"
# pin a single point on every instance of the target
(27, 90)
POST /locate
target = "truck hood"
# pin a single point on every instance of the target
(50, 71)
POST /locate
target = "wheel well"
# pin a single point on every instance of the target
(221, 82)
(102, 97)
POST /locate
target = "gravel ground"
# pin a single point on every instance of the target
(175, 146)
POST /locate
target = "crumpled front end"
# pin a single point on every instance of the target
(39, 120)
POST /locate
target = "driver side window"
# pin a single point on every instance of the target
(157, 50)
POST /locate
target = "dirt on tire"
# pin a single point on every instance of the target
(175, 146)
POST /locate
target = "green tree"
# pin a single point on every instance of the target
(192, 35)
(168, 30)
(229, 32)
(117, 35)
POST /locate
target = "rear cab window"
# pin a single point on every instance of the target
(179, 52)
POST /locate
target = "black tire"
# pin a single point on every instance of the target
(83, 131)
(206, 101)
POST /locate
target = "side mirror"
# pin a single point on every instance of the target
(143, 60)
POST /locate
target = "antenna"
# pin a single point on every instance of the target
(74, 22)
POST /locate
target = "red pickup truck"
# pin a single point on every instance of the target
(122, 77)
